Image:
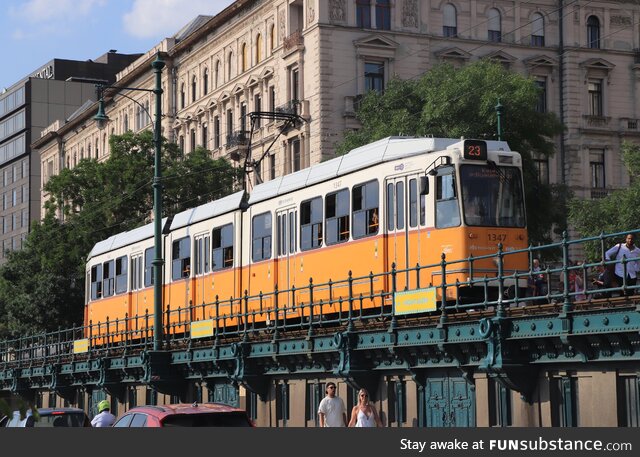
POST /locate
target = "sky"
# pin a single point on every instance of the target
(33, 32)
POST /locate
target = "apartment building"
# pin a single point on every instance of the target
(53, 92)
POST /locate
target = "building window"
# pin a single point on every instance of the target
(314, 396)
(229, 66)
(595, 97)
(245, 58)
(193, 140)
(494, 25)
(181, 143)
(272, 38)
(183, 96)
(311, 224)
(243, 117)
(629, 401)
(296, 163)
(216, 75)
(216, 132)
(272, 167)
(258, 48)
(282, 403)
(564, 404)
(229, 124)
(205, 81)
(125, 124)
(450, 21)
(383, 15)
(363, 14)
(295, 87)
(542, 169)
(541, 104)
(194, 89)
(596, 165)
(397, 397)
(272, 98)
(257, 107)
(500, 414)
(252, 405)
(593, 32)
(204, 135)
(374, 76)
(537, 30)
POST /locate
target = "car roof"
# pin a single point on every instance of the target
(45, 411)
(162, 411)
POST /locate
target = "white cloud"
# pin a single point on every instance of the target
(43, 11)
(162, 18)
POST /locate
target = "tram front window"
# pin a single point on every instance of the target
(447, 213)
(492, 196)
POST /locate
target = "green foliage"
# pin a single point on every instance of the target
(42, 285)
(450, 102)
(615, 213)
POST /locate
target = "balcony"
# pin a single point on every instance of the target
(237, 143)
(292, 107)
(294, 42)
(595, 122)
(599, 192)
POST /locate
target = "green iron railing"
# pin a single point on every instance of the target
(351, 303)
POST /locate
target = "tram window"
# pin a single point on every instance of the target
(202, 249)
(181, 258)
(148, 267)
(413, 203)
(311, 224)
(96, 282)
(447, 212)
(222, 247)
(108, 278)
(282, 234)
(136, 273)
(292, 232)
(261, 237)
(121, 274)
(337, 217)
(391, 202)
(400, 205)
(365, 209)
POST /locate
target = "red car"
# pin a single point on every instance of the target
(185, 415)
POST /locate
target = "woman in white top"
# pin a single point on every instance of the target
(364, 414)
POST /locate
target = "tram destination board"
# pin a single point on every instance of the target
(475, 150)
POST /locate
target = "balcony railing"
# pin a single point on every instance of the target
(292, 107)
(292, 41)
(238, 138)
(599, 192)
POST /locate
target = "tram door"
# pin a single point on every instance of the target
(402, 227)
(286, 224)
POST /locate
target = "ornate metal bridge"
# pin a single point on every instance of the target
(510, 337)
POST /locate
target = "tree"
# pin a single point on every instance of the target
(614, 213)
(42, 285)
(450, 102)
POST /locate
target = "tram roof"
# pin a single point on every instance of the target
(384, 150)
(124, 239)
(208, 210)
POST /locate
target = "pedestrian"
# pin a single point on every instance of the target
(537, 281)
(631, 252)
(579, 282)
(104, 418)
(364, 414)
(331, 410)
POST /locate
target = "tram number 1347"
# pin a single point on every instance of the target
(497, 237)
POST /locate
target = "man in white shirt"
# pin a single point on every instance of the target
(104, 418)
(331, 410)
(631, 252)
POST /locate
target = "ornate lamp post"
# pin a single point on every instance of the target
(102, 119)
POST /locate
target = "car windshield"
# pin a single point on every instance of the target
(61, 420)
(231, 419)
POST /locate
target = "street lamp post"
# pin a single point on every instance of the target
(101, 119)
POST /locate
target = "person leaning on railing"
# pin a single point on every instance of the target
(631, 252)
